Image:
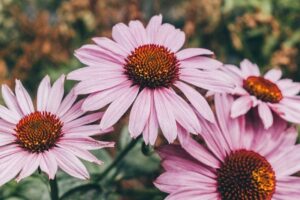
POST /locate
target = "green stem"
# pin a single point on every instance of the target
(53, 189)
(118, 159)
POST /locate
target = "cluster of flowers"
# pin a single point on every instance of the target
(244, 150)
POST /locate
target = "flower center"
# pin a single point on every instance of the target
(263, 89)
(38, 131)
(152, 66)
(246, 175)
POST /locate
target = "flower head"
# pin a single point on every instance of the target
(236, 162)
(143, 67)
(54, 135)
(268, 93)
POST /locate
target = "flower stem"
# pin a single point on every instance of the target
(118, 159)
(53, 189)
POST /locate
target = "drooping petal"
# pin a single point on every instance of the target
(265, 114)
(23, 99)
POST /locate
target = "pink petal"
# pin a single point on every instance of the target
(84, 142)
(197, 100)
(9, 115)
(91, 54)
(99, 72)
(81, 153)
(118, 107)
(196, 150)
(249, 69)
(192, 52)
(23, 98)
(67, 103)
(273, 75)
(183, 113)
(10, 100)
(122, 35)
(241, 106)
(87, 119)
(175, 40)
(70, 164)
(163, 33)
(165, 116)
(56, 94)
(49, 164)
(153, 26)
(31, 164)
(99, 100)
(201, 62)
(112, 46)
(43, 93)
(140, 112)
(265, 114)
(95, 85)
(137, 29)
(151, 129)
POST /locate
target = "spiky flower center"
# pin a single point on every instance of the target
(38, 131)
(152, 66)
(246, 175)
(263, 89)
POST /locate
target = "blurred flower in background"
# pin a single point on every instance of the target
(39, 38)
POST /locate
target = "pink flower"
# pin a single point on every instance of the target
(268, 93)
(53, 135)
(143, 67)
(236, 163)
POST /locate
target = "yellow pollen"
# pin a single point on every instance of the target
(246, 175)
(263, 89)
(38, 131)
(152, 66)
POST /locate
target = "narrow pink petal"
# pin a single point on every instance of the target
(288, 163)
(43, 93)
(70, 164)
(201, 62)
(6, 139)
(153, 26)
(87, 119)
(163, 33)
(249, 69)
(118, 107)
(6, 127)
(84, 130)
(241, 106)
(23, 98)
(81, 153)
(10, 100)
(67, 103)
(49, 164)
(91, 54)
(151, 129)
(137, 29)
(175, 40)
(122, 35)
(102, 68)
(56, 94)
(265, 114)
(112, 46)
(85, 142)
(197, 100)
(165, 116)
(12, 167)
(273, 75)
(99, 100)
(194, 194)
(192, 52)
(288, 88)
(95, 85)
(139, 113)
(196, 150)
(31, 164)
(183, 113)
(9, 115)
(74, 112)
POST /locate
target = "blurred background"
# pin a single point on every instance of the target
(38, 37)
